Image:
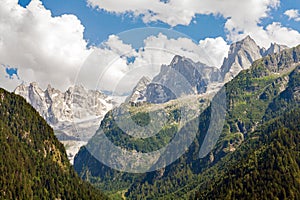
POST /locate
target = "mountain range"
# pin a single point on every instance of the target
(254, 157)
(262, 87)
(259, 101)
(184, 77)
(75, 114)
(242, 54)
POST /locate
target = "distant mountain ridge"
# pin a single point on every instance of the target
(76, 104)
(74, 114)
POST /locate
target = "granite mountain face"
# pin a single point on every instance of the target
(242, 54)
(139, 91)
(181, 78)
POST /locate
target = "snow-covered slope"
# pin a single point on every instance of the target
(74, 115)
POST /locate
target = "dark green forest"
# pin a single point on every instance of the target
(267, 166)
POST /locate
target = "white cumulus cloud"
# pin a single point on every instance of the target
(45, 49)
(293, 14)
(242, 17)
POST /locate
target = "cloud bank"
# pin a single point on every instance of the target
(242, 17)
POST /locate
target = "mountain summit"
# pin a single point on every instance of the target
(242, 54)
(139, 91)
(180, 78)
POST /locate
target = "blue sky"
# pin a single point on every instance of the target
(11, 72)
(99, 24)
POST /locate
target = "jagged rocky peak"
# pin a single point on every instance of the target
(50, 89)
(243, 53)
(41, 100)
(240, 56)
(74, 114)
(176, 60)
(77, 104)
(278, 63)
(274, 48)
(246, 44)
(36, 97)
(34, 87)
(56, 106)
(21, 89)
(182, 77)
(52, 92)
(139, 91)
